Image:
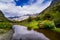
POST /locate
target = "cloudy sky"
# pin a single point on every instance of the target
(12, 8)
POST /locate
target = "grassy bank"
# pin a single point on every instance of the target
(57, 30)
(5, 26)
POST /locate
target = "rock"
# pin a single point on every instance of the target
(21, 33)
(6, 36)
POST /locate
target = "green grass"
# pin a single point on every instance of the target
(2, 31)
(33, 24)
(5, 25)
(57, 30)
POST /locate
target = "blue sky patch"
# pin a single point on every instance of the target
(24, 2)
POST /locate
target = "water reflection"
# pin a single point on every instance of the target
(21, 33)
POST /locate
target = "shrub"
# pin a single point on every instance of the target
(47, 24)
(48, 16)
(57, 18)
(33, 24)
(37, 18)
(29, 19)
(5, 25)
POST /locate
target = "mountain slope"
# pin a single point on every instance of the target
(2, 17)
(52, 12)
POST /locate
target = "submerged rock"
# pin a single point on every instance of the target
(21, 33)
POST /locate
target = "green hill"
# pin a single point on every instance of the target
(5, 25)
(2, 17)
(52, 12)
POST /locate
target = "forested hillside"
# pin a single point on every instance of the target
(52, 12)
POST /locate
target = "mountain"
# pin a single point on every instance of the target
(2, 17)
(52, 12)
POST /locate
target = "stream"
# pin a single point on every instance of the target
(22, 33)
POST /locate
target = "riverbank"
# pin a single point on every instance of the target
(7, 35)
(52, 35)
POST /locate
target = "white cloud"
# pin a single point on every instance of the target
(9, 9)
